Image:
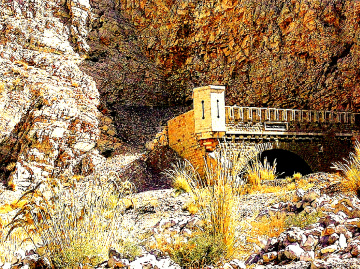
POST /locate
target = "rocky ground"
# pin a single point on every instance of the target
(333, 241)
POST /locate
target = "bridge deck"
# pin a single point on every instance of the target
(273, 121)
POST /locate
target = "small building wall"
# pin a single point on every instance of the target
(182, 139)
(209, 110)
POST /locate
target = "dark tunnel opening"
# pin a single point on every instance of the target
(287, 163)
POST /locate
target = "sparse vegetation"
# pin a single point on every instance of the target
(297, 176)
(258, 171)
(128, 249)
(266, 227)
(303, 219)
(2, 86)
(215, 194)
(180, 173)
(199, 251)
(66, 219)
(350, 169)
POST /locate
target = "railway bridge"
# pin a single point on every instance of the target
(314, 137)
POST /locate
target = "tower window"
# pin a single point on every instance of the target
(218, 110)
(203, 109)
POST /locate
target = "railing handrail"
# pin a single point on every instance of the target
(290, 114)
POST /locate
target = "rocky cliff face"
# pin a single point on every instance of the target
(49, 116)
(72, 71)
(282, 53)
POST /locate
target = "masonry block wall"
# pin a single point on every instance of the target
(182, 139)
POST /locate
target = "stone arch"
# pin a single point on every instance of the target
(288, 163)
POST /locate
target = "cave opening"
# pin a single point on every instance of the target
(287, 162)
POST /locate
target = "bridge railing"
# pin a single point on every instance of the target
(235, 114)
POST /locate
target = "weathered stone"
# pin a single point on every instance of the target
(272, 244)
(226, 266)
(315, 231)
(329, 249)
(281, 255)
(355, 249)
(346, 256)
(311, 195)
(309, 209)
(310, 243)
(295, 235)
(293, 251)
(341, 229)
(319, 264)
(236, 264)
(331, 218)
(270, 256)
(352, 223)
(307, 256)
(324, 240)
(333, 238)
(253, 258)
(329, 230)
(116, 262)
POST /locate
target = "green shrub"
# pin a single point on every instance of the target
(128, 249)
(202, 250)
(303, 219)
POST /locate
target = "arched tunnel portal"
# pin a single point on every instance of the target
(287, 162)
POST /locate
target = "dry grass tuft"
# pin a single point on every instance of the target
(266, 227)
(66, 220)
(297, 176)
(180, 173)
(215, 194)
(258, 171)
(350, 169)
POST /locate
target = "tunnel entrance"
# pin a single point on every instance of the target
(287, 163)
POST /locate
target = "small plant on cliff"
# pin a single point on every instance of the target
(350, 168)
(74, 222)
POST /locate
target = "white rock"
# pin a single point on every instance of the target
(299, 194)
(293, 251)
(147, 259)
(307, 256)
(19, 254)
(6, 265)
(309, 209)
(342, 241)
(226, 266)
